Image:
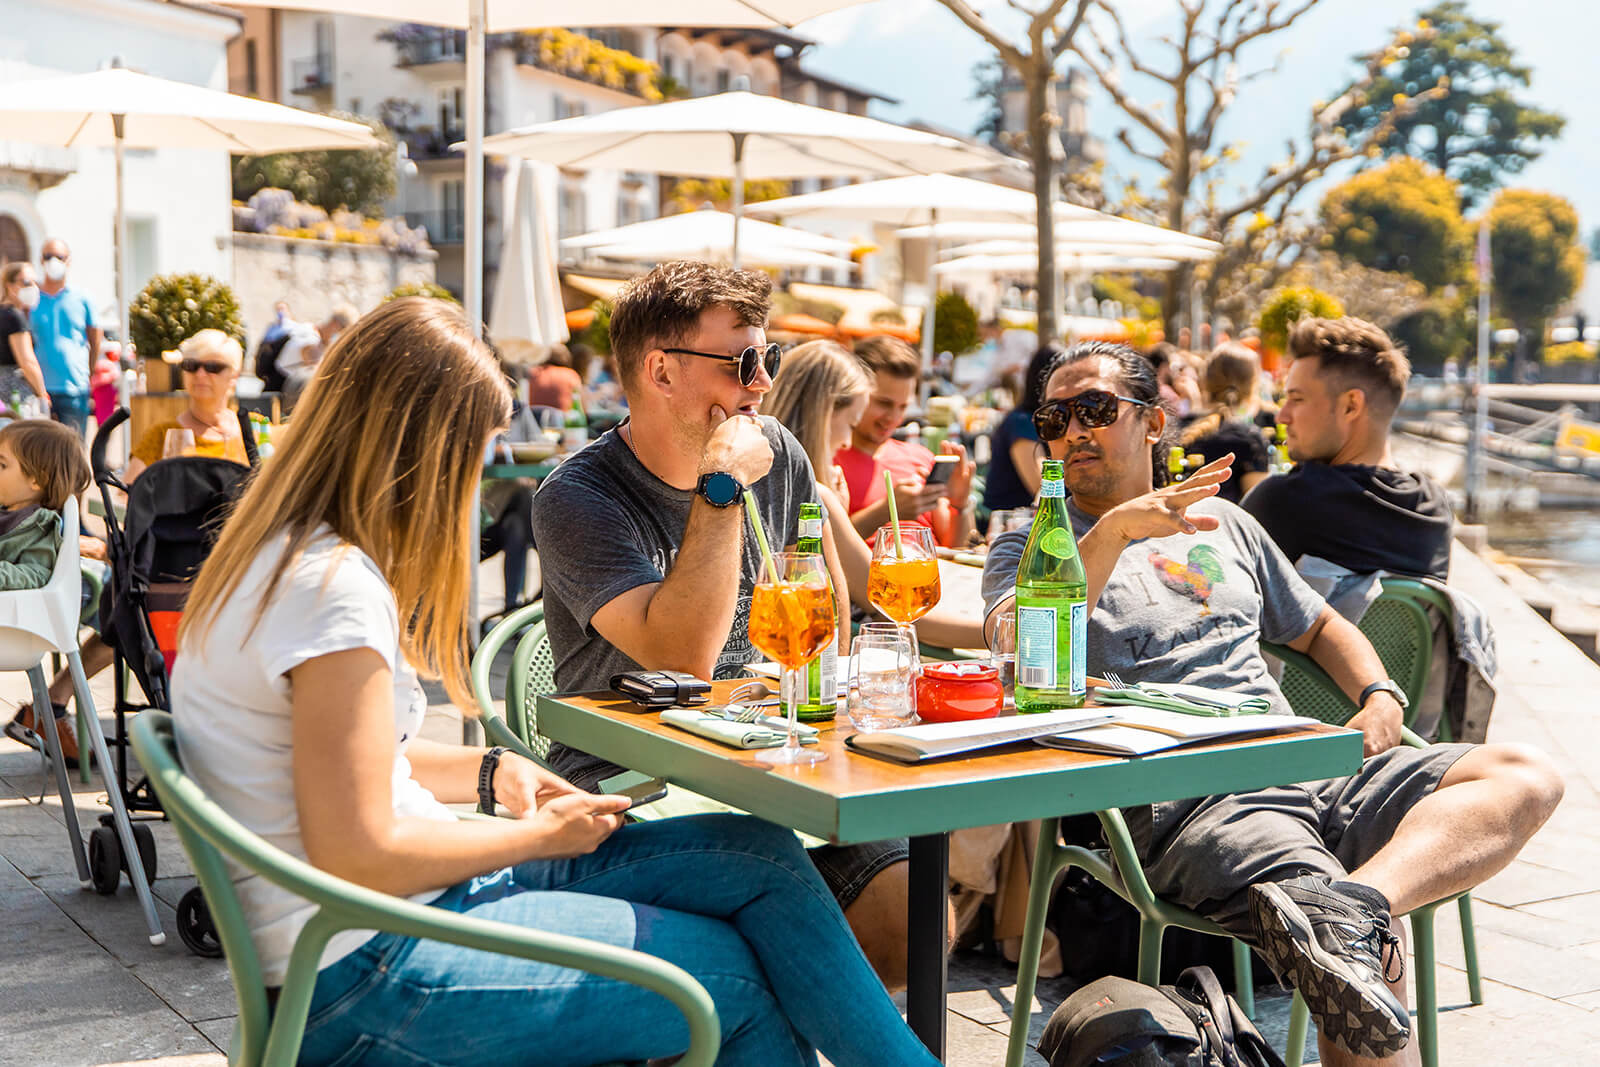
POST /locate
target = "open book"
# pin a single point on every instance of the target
(931, 740)
(1137, 731)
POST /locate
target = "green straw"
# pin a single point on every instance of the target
(894, 516)
(761, 536)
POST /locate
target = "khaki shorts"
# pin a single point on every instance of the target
(1205, 853)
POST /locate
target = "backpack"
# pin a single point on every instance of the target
(1122, 1023)
(267, 353)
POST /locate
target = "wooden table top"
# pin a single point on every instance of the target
(852, 796)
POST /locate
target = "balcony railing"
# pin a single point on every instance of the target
(428, 142)
(439, 46)
(312, 74)
(444, 227)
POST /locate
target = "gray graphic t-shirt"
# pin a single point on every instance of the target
(605, 525)
(1185, 608)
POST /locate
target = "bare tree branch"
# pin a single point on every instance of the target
(1064, 42)
(1266, 26)
(975, 22)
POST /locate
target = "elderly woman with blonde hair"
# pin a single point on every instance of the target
(210, 361)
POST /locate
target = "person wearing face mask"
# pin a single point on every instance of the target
(65, 338)
(19, 367)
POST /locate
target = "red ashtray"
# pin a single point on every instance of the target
(952, 692)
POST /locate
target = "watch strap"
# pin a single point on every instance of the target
(486, 769)
(1387, 685)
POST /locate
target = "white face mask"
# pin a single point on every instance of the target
(55, 269)
(28, 296)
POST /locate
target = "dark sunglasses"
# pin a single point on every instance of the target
(191, 366)
(1095, 408)
(749, 361)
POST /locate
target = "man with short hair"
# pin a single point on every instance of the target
(1347, 502)
(304, 348)
(65, 338)
(895, 368)
(648, 558)
(1183, 587)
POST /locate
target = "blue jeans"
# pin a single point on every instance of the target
(731, 899)
(71, 410)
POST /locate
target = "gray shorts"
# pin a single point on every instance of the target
(1205, 853)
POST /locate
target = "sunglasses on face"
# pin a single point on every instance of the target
(1095, 409)
(749, 362)
(192, 366)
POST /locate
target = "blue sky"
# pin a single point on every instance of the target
(917, 51)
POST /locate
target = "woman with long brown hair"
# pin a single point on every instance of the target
(343, 574)
(1233, 423)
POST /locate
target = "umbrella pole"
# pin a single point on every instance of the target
(738, 192)
(121, 239)
(472, 252)
(933, 288)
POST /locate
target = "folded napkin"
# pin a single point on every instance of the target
(1189, 699)
(737, 734)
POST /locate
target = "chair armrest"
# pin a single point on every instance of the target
(490, 646)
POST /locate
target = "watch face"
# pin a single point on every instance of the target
(721, 489)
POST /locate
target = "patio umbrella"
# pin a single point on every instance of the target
(527, 297)
(752, 253)
(1070, 247)
(739, 135)
(125, 109)
(1028, 264)
(1074, 231)
(705, 227)
(482, 17)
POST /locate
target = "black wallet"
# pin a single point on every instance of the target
(661, 689)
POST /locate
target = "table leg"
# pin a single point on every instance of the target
(927, 936)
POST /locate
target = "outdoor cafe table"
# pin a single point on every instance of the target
(850, 797)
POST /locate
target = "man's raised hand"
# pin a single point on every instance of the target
(738, 446)
(1164, 511)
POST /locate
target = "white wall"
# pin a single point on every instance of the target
(184, 194)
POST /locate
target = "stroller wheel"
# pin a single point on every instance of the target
(194, 925)
(146, 841)
(105, 860)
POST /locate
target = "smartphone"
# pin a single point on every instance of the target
(943, 468)
(638, 788)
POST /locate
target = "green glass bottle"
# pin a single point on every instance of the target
(1280, 449)
(575, 433)
(1052, 606)
(819, 702)
(1175, 469)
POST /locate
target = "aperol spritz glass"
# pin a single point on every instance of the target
(792, 620)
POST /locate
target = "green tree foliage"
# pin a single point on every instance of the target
(597, 335)
(428, 289)
(172, 308)
(955, 325)
(358, 180)
(1479, 131)
(1432, 334)
(1289, 306)
(1403, 217)
(988, 80)
(1536, 260)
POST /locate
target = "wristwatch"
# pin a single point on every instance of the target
(719, 488)
(1388, 685)
(486, 769)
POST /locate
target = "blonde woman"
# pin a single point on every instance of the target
(819, 395)
(210, 361)
(341, 576)
(19, 367)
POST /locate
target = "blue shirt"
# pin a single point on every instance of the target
(60, 327)
(1005, 487)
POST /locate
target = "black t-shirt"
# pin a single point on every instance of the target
(12, 320)
(1005, 487)
(1234, 437)
(1363, 518)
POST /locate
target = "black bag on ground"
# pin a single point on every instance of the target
(1119, 1022)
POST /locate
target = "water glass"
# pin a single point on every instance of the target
(1003, 648)
(881, 676)
(1004, 520)
(178, 442)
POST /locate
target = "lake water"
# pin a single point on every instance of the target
(1567, 540)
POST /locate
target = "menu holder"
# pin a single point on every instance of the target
(1141, 731)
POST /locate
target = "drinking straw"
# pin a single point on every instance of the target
(894, 516)
(761, 536)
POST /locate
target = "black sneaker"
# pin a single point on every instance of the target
(1336, 949)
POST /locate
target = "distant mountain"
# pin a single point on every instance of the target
(917, 51)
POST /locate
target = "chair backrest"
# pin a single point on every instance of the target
(36, 622)
(532, 672)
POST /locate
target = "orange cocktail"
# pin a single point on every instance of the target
(903, 589)
(791, 621)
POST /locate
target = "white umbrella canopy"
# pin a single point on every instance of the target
(706, 228)
(1072, 247)
(1104, 230)
(1029, 264)
(527, 309)
(125, 109)
(500, 15)
(755, 253)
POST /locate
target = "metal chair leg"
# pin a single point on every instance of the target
(1427, 1028)
(1244, 986)
(1469, 948)
(119, 812)
(1299, 1023)
(1150, 932)
(46, 733)
(1046, 863)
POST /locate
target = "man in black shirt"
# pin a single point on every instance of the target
(1346, 502)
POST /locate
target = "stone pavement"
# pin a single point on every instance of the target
(82, 985)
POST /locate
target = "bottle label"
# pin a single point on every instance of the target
(1036, 647)
(1052, 489)
(810, 529)
(1078, 651)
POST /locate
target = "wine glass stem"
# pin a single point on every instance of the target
(792, 681)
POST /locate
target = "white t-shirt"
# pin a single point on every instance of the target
(291, 356)
(231, 714)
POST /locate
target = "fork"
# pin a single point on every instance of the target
(745, 713)
(1116, 682)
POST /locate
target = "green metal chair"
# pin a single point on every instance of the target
(532, 672)
(270, 1037)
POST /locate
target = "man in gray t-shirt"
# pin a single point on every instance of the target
(1183, 587)
(647, 554)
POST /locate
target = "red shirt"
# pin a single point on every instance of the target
(864, 474)
(552, 386)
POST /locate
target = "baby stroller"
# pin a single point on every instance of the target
(175, 510)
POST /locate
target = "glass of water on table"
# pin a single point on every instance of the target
(1003, 648)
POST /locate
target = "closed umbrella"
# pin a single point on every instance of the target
(527, 296)
(739, 135)
(124, 109)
